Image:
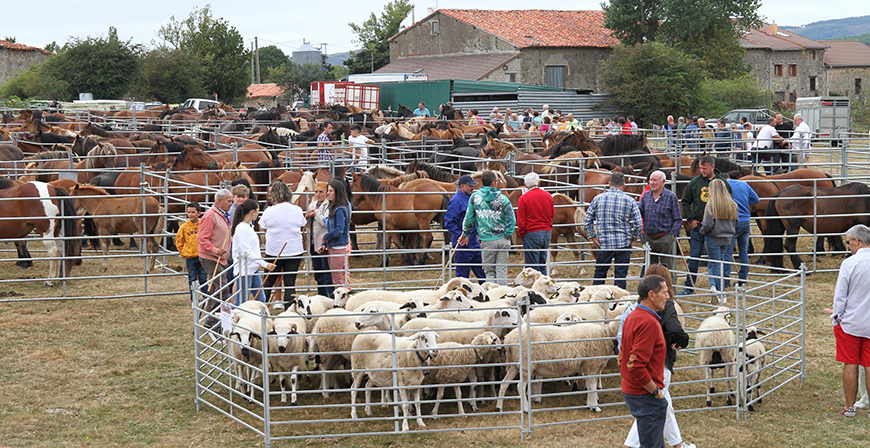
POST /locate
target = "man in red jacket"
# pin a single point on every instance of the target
(642, 361)
(535, 212)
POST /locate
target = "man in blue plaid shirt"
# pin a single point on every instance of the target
(324, 154)
(617, 219)
(662, 221)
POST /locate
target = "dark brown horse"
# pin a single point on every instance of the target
(803, 207)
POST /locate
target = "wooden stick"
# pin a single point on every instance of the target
(218, 264)
(267, 275)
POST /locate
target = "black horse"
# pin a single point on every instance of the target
(405, 111)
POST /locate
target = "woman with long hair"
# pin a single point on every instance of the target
(283, 222)
(718, 226)
(675, 338)
(246, 252)
(334, 242)
(318, 213)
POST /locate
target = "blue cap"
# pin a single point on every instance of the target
(466, 179)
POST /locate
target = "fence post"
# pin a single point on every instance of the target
(197, 363)
(844, 161)
(803, 323)
(267, 426)
(142, 185)
(395, 373)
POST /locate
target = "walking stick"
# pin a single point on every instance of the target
(267, 275)
(691, 282)
(218, 264)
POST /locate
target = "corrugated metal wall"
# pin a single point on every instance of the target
(583, 106)
(433, 93)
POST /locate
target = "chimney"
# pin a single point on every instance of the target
(774, 29)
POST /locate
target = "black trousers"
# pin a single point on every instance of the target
(287, 268)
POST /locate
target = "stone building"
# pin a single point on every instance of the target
(16, 58)
(848, 65)
(786, 63)
(269, 94)
(540, 47)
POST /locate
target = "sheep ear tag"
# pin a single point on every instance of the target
(226, 317)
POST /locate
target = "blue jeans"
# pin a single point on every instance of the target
(195, 272)
(468, 261)
(320, 266)
(536, 259)
(696, 246)
(715, 255)
(741, 239)
(602, 265)
(253, 285)
(650, 413)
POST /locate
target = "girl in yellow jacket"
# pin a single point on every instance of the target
(185, 241)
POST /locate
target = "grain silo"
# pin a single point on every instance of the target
(307, 54)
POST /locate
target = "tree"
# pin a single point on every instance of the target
(652, 80)
(297, 78)
(708, 30)
(721, 95)
(219, 47)
(271, 57)
(373, 35)
(105, 67)
(52, 47)
(170, 76)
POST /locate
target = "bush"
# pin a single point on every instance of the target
(721, 96)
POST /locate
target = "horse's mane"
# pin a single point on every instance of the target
(178, 159)
(98, 130)
(384, 172)
(435, 173)
(51, 155)
(396, 181)
(857, 188)
(372, 185)
(95, 190)
(6, 183)
(614, 145)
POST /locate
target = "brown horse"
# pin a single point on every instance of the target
(99, 158)
(596, 181)
(48, 210)
(802, 207)
(567, 221)
(402, 209)
(189, 159)
(113, 216)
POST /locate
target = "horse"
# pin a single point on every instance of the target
(10, 156)
(99, 158)
(596, 181)
(567, 221)
(724, 165)
(424, 195)
(148, 220)
(48, 210)
(799, 206)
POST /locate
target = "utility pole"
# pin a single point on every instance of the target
(257, 56)
(253, 77)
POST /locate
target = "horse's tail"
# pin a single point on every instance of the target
(773, 228)
(72, 246)
(833, 182)
(91, 230)
(579, 219)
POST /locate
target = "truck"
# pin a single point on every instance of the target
(364, 96)
(828, 117)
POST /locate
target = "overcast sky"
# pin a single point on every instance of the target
(287, 23)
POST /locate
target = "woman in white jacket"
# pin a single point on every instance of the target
(246, 252)
(283, 222)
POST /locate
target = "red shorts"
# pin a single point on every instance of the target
(852, 349)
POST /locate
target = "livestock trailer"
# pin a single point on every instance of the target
(827, 117)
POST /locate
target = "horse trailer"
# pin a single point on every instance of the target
(827, 117)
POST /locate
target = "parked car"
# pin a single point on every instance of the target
(758, 117)
(199, 104)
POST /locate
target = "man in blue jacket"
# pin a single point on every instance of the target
(468, 256)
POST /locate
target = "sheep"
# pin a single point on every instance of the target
(373, 357)
(754, 361)
(548, 314)
(458, 363)
(545, 286)
(618, 293)
(246, 337)
(501, 291)
(310, 306)
(332, 337)
(583, 350)
(378, 314)
(567, 293)
(497, 321)
(468, 288)
(511, 300)
(527, 277)
(340, 296)
(715, 342)
(289, 329)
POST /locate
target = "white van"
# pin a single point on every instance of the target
(199, 104)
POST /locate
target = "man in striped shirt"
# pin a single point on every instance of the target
(617, 219)
(324, 154)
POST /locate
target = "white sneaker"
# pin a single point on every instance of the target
(688, 445)
(862, 404)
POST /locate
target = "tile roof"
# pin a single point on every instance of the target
(269, 89)
(783, 39)
(464, 66)
(16, 46)
(847, 53)
(539, 28)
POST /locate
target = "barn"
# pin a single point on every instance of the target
(16, 58)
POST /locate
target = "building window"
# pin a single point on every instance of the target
(777, 70)
(792, 70)
(780, 95)
(792, 97)
(812, 83)
(857, 86)
(813, 54)
(434, 27)
(556, 75)
(510, 77)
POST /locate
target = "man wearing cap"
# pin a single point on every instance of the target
(493, 215)
(468, 256)
(535, 213)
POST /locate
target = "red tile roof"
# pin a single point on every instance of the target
(847, 53)
(539, 28)
(16, 46)
(269, 89)
(783, 39)
(463, 66)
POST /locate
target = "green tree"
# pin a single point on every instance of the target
(652, 80)
(372, 36)
(53, 47)
(105, 67)
(10, 39)
(218, 45)
(298, 78)
(271, 57)
(721, 95)
(170, 76)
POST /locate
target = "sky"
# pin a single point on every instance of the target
(286, 23)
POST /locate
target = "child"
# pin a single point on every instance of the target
(186, 243)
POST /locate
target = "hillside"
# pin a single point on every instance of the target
(337, 58)
(833, 29)
(862, 37)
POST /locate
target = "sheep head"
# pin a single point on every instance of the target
(340, 296)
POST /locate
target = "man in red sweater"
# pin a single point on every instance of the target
(642, 362)
(535, 212)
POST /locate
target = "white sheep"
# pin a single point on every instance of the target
(246, 343)
(754, 361)
(456, 362)
(545, 286)
(549, 313)
(356, 301)
(286, 350)
(618, 293)
(497, 321)
(527, 277)
(568, 292)
(579, 349)
(373, 357)
(330, 341)
(311, 307)
(340, 296)
(501, 291)
(379, 315)
(715, 343)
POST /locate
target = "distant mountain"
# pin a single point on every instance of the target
(833, 29)
(862, 37)
(337, 58)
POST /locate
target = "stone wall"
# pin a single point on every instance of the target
(582, 66)
(13, 62)
(453, 37)
(762, 62)
(841, 81)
